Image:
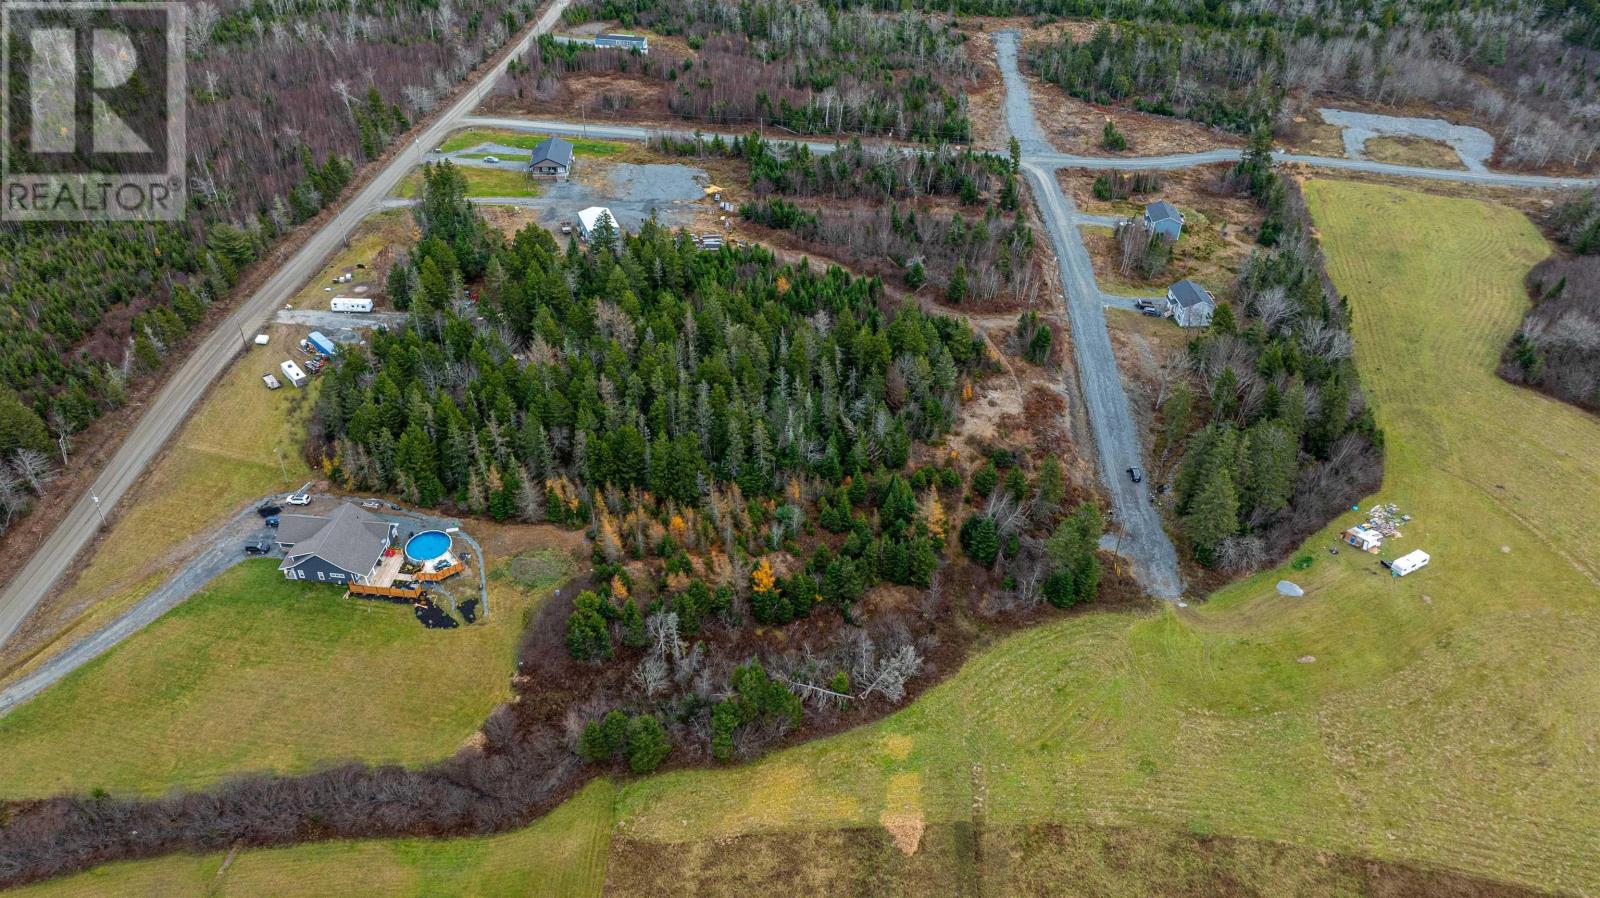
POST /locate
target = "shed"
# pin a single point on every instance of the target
(590, 218)
(552, 158)
(321, 343)
(1164, 219)
(623, 42)
(1363, 538)
(1190, 304)
(1409, 562)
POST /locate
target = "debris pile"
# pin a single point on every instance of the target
(1386, 519)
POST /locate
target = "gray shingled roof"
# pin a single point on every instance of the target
(632, 40)
(552, 149)
(349, 538)
(1161, 210)
(1188, 294)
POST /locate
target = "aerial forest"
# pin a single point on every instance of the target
(286, 101)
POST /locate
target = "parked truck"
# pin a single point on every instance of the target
(351, 304)
(292, 373)
(321, 343)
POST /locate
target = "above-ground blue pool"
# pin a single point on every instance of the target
(427, 545)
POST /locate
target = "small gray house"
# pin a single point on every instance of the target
(552, 158)
(1164, 219)
(1190, 304)
(344, 547)
(623, 42)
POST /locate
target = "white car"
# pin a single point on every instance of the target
(298, 499)
(491, 160)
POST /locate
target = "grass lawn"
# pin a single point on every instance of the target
(1413, 151)
(581, 146)
(561, 856)
(257, 672)
(480, 182)
(1450, 719)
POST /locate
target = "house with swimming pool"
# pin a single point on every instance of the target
(357, 550)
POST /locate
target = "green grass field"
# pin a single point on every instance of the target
(581, 146)
(1449, 720)
(480, 182)
(257, 672)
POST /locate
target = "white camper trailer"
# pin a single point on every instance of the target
(292, 372)
(1409, 562)
(351, 304)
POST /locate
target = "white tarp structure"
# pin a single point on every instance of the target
(1289, 589)
(1363, 538)
(589, 219)
(1409, 562)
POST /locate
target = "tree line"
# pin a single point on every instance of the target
(1275, 435)
(1557, 348)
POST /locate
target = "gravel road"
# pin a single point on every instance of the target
(1116, 438)
(161, 418)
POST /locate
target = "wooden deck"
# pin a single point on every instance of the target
(382, 582)
(445, 574)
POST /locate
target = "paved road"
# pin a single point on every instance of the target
(160, 420)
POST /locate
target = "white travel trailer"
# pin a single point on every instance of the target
(293, 374)
(351, 304)
(1409, 562)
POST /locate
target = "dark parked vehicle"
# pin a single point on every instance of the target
(268, 511)
(272, 521)
(1150, 311)
(1136, 474)
(257, 547)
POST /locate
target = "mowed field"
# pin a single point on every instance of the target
(1446, 721)
(260, 673)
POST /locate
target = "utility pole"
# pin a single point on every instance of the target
(278, 451)
(99, 509)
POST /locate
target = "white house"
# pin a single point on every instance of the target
(590, 218)
(1190, 304)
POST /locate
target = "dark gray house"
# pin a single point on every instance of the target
(623, 42)
(344, 547)
(1164, 219)
(552, 158)
(1190, 304)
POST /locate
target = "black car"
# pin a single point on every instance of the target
(1136, 474)
(268, 511)
(1150, 311)
(257, 547)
